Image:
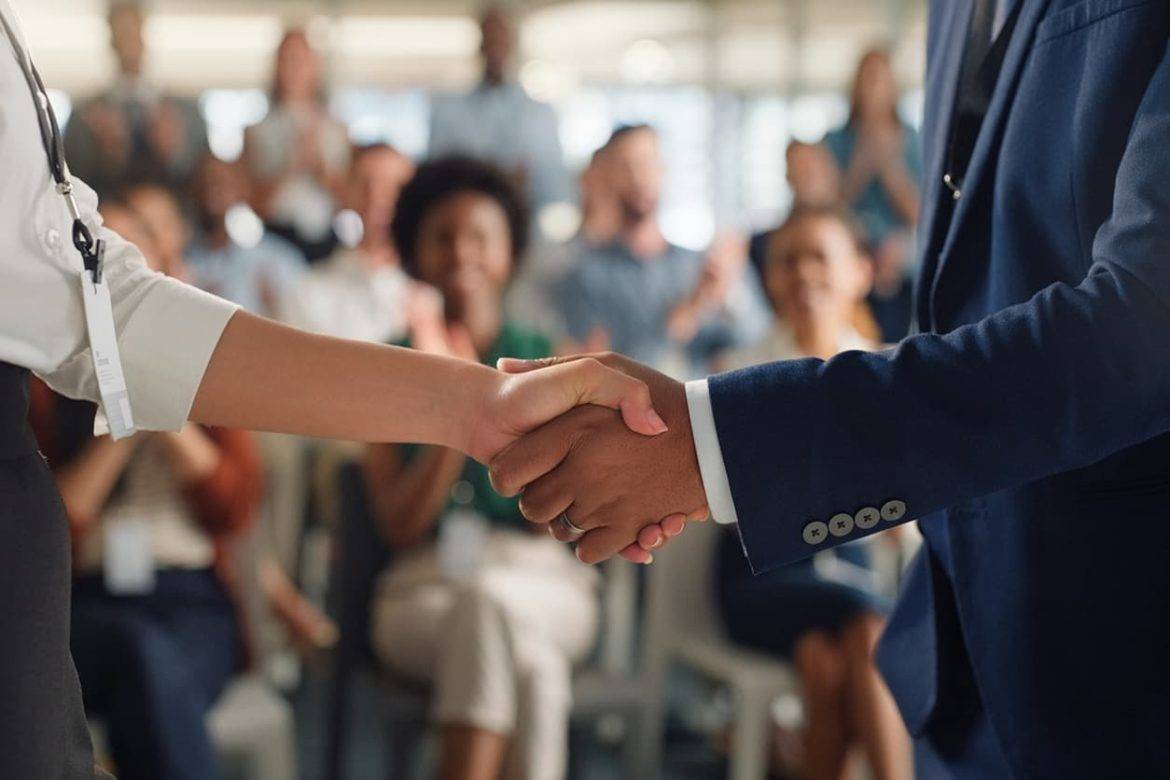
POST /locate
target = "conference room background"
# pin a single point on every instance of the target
(736, 93)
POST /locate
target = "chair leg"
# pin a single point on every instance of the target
(750, 739)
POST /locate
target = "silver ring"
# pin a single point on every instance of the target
(567, 524)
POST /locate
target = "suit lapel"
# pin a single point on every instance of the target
(983, 157)
(943, 87)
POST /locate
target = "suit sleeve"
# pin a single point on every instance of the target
(1059, 382)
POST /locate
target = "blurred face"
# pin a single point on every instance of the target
(297, 69)
(159, 211)
(126, 38)
(812, 174)
(375, 181)
(465, 250)
(876, 90)
(816, 272)
(126, 224)
(635, 174)
(496, 43)
(220, 185)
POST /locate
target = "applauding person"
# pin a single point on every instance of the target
(485, 606)
(824, 614)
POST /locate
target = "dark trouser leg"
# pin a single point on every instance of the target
(42, 724)
(152, 667)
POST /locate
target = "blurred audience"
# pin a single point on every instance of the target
(133, 130)
(361, 291)
(156, 635)
(657, 302)
(232, 255)
(880, 160)
(533, 298)
(298, 154)
(823, 614)
(499, 123)
(490, 612)
(815, 181)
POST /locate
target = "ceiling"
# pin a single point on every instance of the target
(746, 45)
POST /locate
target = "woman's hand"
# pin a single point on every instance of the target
(513, 404)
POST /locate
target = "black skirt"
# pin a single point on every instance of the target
(43, 730)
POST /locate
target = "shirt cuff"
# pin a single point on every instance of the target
(711, 467)
(166, 346)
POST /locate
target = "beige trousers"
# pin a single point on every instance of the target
(499, 648)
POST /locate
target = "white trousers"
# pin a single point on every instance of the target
(498, 649)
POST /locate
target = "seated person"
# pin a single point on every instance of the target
(160, 212)
(659, 303)
(360, 291)
(231, 255)
(475, 602)
(155, 631)
(823, 614)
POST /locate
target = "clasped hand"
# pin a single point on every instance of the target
(627, 491)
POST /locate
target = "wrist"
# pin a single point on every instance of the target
(478, 390)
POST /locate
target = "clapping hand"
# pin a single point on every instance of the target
(586, 470)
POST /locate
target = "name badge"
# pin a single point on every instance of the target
(107, 362)
(463, 536)
(128, 561)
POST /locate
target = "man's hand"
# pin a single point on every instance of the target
(613, 483)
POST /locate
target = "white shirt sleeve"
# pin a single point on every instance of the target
(714, 473)
(166, 330)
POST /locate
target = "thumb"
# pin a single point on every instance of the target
(587, 380)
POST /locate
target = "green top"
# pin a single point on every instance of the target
(513, 341)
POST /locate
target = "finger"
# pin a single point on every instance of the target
(701, 515)
(602, 543)
(530, 457)
(562, 534)
(635, 554)
(545, 499)
(673, 525)
(651, 537)
(589, 381)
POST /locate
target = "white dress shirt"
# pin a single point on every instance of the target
(778, 345)
(350, 297)
(166, 330)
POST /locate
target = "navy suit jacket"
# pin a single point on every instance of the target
(1026, 425)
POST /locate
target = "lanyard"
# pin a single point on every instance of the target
(91, 251)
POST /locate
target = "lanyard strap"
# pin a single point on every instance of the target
(91, 251)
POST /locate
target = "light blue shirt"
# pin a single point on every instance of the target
(501, 124)
(257, 278)
(631, 298)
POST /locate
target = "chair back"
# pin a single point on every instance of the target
(681, 588)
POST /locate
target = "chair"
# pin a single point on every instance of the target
(682, 627)
(611, 685)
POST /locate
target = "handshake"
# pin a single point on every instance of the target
(594, 481)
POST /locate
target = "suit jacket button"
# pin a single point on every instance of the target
(815, 532)
(894, 510)
(867, 517)
(841, 525)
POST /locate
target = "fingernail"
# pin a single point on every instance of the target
(649, 560)
(657, 543)
(657, 424)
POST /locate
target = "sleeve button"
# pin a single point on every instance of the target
(815, 532)
(867, 517)
(841, 525)
(893, 510)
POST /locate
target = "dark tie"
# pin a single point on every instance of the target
(982, 60)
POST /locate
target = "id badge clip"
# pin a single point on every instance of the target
(103, 343)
